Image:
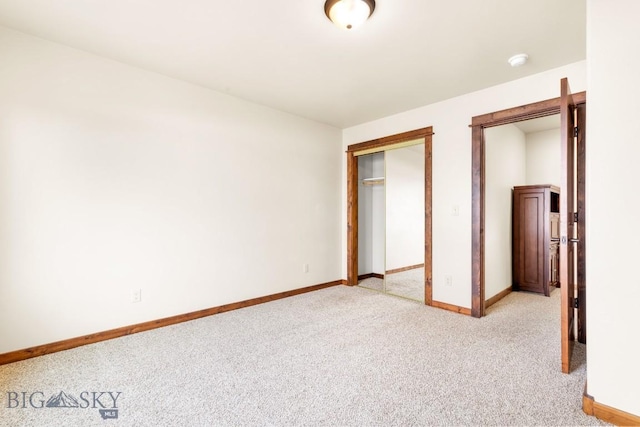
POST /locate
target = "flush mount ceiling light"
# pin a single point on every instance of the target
(349, 14)
(518, 60)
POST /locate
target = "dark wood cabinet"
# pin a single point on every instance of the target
(536, 233)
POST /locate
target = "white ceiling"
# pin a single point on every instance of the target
(287, 55)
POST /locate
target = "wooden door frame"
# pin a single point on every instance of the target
(567, 225)
(478, 175)
(377, 145)
(581, 165)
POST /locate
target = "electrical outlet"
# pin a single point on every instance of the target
(448, 280)
(136, 295)
(305, 268)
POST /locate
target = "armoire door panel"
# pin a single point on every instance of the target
(532, 250)
(532, 231)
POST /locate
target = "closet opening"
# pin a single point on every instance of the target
(382, 177)
(522, 198)
(480, 126)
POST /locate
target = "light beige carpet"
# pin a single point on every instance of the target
(336, 357)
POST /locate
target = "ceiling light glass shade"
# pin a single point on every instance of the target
(349, 14)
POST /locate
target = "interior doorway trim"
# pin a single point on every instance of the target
(378, 145)
(478, 124)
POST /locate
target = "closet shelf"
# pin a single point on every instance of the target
(373, 181)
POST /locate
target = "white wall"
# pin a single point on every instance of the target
(404, 185)
(371, 215)
(505, 166)
(613, 232)
(543, 157)
(113, 179)
(452, 165)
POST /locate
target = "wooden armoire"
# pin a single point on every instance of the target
(536, 237)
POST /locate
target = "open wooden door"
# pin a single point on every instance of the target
(567, 224)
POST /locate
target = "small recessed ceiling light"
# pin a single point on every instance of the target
(518, 60)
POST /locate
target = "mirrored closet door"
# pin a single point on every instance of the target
(391, 220)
